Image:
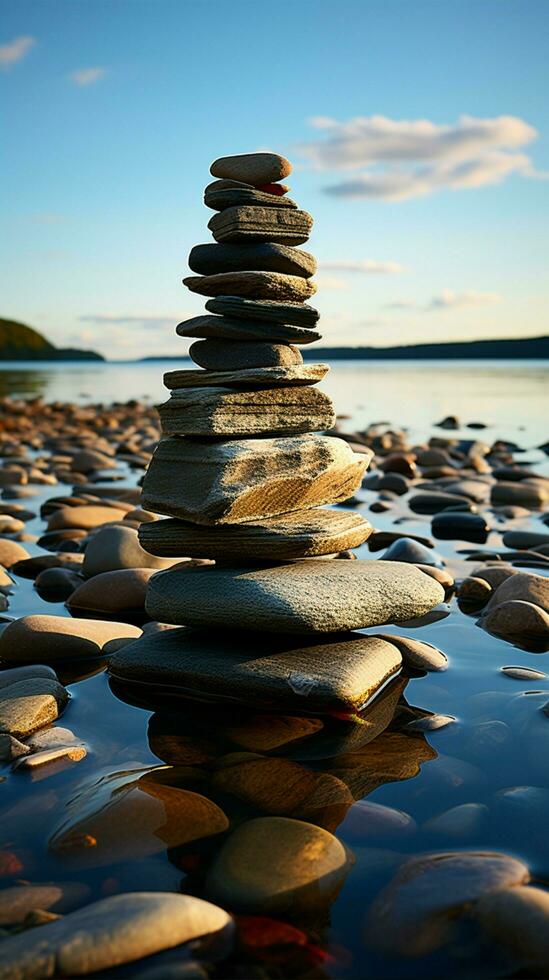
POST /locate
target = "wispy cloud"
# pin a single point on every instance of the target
(365, 266)
(140, 319)
(402, 159)
(15, 50)
(330, 282)
(448, 300)
(87, 76)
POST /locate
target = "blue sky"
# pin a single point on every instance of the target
(418, 131)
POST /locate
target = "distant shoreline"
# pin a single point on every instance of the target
(529, 348)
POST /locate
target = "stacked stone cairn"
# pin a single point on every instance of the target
(244, 474)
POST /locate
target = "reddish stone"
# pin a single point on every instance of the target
(256, 932)
(277, 189)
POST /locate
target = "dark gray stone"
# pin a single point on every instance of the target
(298, 314)
(228, 355)
(206, 260)
(228, 328)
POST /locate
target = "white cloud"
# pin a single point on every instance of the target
(367, 266)
(448, 300)
(87, 76)
(402, 159)
(15, 50)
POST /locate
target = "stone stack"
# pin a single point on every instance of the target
(243, 474)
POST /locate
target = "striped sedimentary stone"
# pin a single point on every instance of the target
(223, 194)
(232, 328)
(288, 226)
(302, 534)
(227, 412)
(268, 377)
(210, 259)
(297, 314)
(250, 479)
(257, 285)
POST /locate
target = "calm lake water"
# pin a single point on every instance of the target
(493, 756)
(507, 395)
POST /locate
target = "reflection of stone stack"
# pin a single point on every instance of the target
(242, 474)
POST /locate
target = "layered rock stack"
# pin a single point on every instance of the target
(244, 475)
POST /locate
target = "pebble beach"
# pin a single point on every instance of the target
(274, 694)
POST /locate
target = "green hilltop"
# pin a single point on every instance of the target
(21, 343)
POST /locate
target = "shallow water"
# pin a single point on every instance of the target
(499, 739)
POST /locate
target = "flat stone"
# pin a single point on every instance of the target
(268, 377)
(271, 311)
(219, 196)
(274, 286)
(458, 526)
(207, 260)
(85, 517)
(431, 502)
(252, 168)
(277, 865)
(417, 653)
(408, 550)
(416, 908)
(524, 673)
(518, 919)
(344, 672)
(11, 552)
(516, 618)
(52, 638)
(286, 226)
(302, 534)
(111, 932)
(114, 548)
(248, 480)
(73, 753)
(128, 815)
(15, 674)
(225, 412)
(230, 355)
(30, 704)
(525, 494)
(121, 591)
(525, 539)
(319, 596)
(233, 329)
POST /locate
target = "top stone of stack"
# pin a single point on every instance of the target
(252, 168)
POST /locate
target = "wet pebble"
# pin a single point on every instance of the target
(52, 638)
(462, 822)
(523, 673)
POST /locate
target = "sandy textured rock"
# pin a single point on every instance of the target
(417, 653)
(342, 672)
(233, 328)
(518, 919)
(225, 412)
(256, 285)
(113, 931)
(227, 355)
(120, 591)
(428, 891)
(117, 547)
(221, 194)
(285, 226)
(301, 597)
(30, 704)
(269, 377)
(515, 618)
(130, 815)
(51, 638)
(301, 534)
(207, 260)
(276, 865)
(245, 480)
(525, 587)
(271, 311)
(252, 168)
